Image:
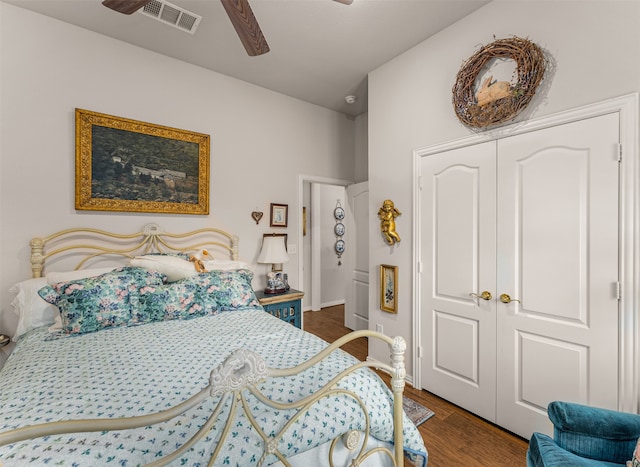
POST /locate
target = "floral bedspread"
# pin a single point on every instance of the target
(139, 370)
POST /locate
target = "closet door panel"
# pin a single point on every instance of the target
(550, 231)
(557, 237)
(458, 257)
(566, 379)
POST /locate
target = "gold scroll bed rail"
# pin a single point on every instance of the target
(232, 381)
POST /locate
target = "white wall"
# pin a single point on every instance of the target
(594, 47)
(361, 168)
(260, 140)
(332, 274)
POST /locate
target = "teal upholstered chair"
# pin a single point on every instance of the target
(585, 436)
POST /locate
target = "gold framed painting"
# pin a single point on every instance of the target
(389, 288)
(126, 165)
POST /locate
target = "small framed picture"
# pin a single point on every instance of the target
(279, 215)
(389, 288)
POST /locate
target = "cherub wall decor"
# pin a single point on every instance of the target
(387, 214)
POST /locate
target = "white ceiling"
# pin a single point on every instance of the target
(321, 50)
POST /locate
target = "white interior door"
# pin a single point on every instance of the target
(558, 255)
(356, 312)
(459, 257)
(534, 216)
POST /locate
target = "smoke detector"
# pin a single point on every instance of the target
(172, 15)
(350, 99)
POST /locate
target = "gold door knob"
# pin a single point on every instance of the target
(505, 298)
(486, 295)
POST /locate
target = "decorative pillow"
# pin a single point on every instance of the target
(96, 303)
(174, 267)
(635, 459)
(183, 299)
(231, 289)
(31, 309)
(55, 277)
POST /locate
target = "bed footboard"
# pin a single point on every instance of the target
(239, 377)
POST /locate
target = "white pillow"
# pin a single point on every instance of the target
(31, 309)
(226, 265)
(66, 276)
(56, 327)
(171, 266)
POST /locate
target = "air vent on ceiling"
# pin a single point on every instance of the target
(172, 15)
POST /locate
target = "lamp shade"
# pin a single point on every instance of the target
(273, 251)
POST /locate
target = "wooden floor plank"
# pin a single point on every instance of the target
(453, 436)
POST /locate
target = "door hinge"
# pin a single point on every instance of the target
(419, 351)
(618, 291)
(619, 152)
(420, 182)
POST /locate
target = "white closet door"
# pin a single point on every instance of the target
(459, 257)
(558, 254)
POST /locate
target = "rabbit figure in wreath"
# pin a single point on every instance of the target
(490, 92)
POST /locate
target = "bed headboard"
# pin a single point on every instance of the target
(87, 245)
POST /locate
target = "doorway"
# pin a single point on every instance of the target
(536, 216)
(324, 261)
(533, 217)
(312, 299)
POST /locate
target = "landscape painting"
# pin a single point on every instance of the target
(131, 166)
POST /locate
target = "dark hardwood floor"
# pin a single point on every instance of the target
(454, 437)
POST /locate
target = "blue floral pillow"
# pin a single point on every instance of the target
(183, 299)
(231, 289)
(95, 303)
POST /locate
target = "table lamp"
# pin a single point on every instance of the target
(275, 253)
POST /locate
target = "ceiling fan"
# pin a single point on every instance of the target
(239, 12)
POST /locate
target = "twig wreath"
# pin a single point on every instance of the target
(498, 102)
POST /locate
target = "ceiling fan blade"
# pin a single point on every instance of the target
(346, 2)
(246, 26)
(125, 6)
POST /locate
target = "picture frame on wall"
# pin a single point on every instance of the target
(389, 288)
(304, 221)
(127, 165)
(279, 215)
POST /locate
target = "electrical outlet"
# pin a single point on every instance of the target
(292, 249)
(379, 328)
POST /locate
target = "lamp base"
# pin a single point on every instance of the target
(269, 291)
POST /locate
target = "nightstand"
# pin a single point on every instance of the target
(287, 306)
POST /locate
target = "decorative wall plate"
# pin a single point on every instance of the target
(338, 229)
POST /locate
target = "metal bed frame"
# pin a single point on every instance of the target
(234, 379)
